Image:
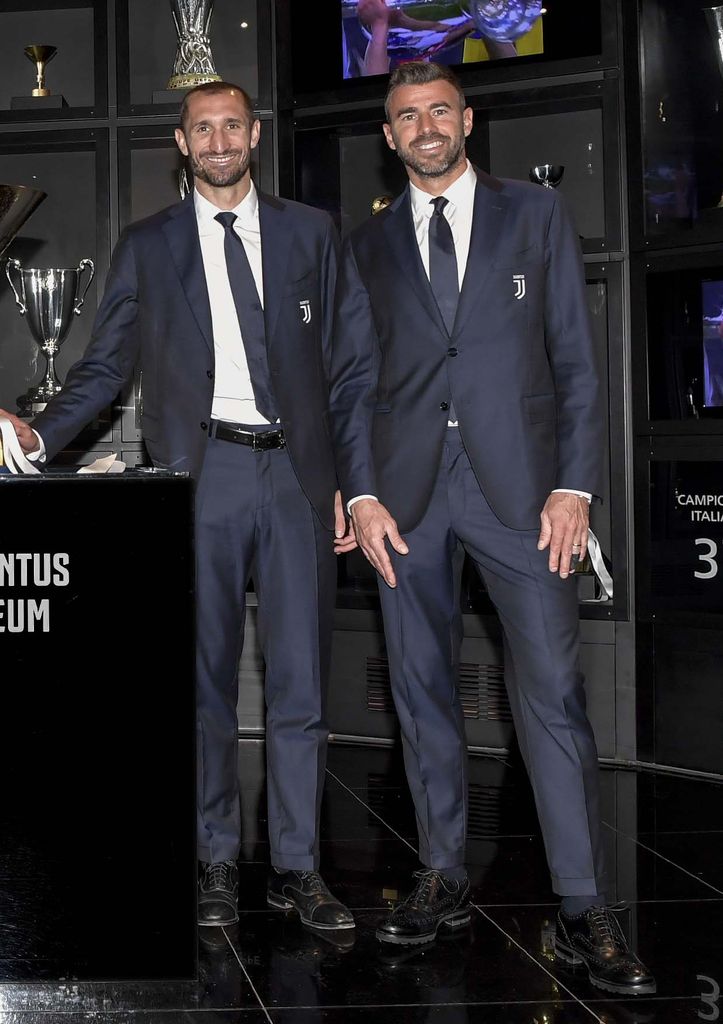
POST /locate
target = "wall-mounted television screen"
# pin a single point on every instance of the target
(378, 35)
(336, 43)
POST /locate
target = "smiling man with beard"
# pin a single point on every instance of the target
(466, 416)
(224, 302)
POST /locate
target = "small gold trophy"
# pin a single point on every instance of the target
(381, 203)
(41, 55)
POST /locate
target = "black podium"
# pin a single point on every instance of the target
(97, 733)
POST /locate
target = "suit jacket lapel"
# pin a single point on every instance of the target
(490, 210)
(276, 243)
(181, 231)
(399, 228)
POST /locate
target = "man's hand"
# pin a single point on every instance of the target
(564, 519)
(372, 12)
(25, 435)
(344, 539)
(372, 525)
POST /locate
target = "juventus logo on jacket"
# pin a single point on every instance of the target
(305, 307)
(520, 286)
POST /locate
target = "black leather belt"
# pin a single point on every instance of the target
(257, 440)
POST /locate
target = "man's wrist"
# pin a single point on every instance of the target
(38, 454)
(359, 497)
(569, 490)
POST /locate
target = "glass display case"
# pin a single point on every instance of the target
(76, 75)
(71, 166)
(342, 165)
(680, 367)
(239, 32)
(681, 82)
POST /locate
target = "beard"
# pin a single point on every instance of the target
(221, 177)
(433, 165)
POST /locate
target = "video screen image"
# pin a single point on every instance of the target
(712, 344)
(378, 35)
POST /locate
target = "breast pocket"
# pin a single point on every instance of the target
(528, 257)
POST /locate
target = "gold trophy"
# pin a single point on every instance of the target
(41, 55)
(381, 203)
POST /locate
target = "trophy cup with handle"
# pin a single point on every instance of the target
(194, 60)
(50, 298)
(17, 202)
(547, 175)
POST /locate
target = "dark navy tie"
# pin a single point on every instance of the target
(250, 316)
(443, 270)
(443, 275)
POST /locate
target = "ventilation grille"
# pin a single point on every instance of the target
(379, 690)
(485, 811)
(492, 810)
(481, 690)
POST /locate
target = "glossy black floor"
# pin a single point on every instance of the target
(665, 845)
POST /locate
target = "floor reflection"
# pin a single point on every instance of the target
(665, 858)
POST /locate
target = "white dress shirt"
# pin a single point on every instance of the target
(459, 211)
(233, 396)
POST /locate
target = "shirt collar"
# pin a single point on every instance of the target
(247, 211)
(460, 191)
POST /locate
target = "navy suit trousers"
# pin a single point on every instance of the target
(253, 519)
(539, 615)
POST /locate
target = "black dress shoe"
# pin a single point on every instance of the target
(218, 893)
(307, 894)
(594, 938)
(436, 901)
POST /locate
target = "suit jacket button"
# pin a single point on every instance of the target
(444, 406)
(204, 426)
(209, 374)
(451, 351)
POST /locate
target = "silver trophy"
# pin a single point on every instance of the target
(549, 175)
(504, 20)
(194, 60)
(49, 298)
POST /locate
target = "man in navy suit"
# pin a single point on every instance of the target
(465, 411)
(224, 301)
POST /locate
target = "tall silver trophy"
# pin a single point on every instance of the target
(504, 20)
(194, 60)
(49, 298)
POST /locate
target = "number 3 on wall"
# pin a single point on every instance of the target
(708, 558)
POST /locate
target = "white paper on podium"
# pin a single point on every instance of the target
(108, 464)
(17, 463)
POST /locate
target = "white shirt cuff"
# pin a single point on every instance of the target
(353, 501)
(569, 490)
(39, 455)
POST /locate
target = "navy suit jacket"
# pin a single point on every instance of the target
(155, 314)
(519, 363)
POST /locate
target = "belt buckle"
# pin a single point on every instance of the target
(262, 441)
